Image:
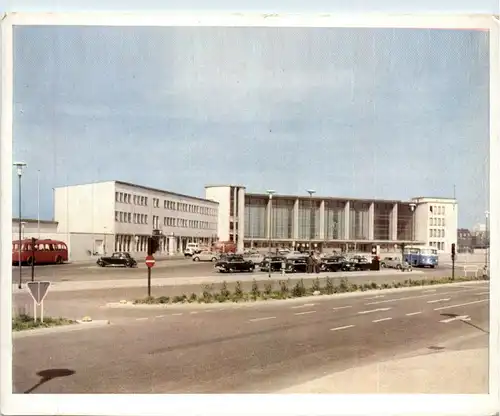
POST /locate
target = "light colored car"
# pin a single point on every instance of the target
(394, 263)
(206, 255)
(255, 258)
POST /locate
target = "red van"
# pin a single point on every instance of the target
(45, 251)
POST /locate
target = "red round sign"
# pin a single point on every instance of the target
(150, 261)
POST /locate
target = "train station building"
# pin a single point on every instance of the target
(259, 220)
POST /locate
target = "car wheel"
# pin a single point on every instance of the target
(398, 266)
(196, 259)
(214, 259)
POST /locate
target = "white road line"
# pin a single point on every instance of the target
(413, 313)
(414, 297)
(177, 314)
(461, 304)
(262, 319)
(341, 307)
(376, 310)
(383, 319)
(341, 327)
(482, 293)
(376, 297)
(140, 319)
(456, 318)
(194, 313)
(160, 316)
(429, 291)
(303, 306)
(304, 313)
(438, 300)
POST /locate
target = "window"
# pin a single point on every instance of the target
(117, 216)
(135, 218)
(116, 196)
(129, 215)
(145, 219)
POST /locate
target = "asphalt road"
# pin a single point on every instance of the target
(257, 348)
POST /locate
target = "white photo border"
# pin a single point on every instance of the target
(244, 404)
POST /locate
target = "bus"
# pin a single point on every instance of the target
(45, 251)
(421, 256)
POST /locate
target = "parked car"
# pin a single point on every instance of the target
(234, 263)
(272, 261)
(296, 265)
(118, 258)
(357, 263)
(394, 263)
(332, 263)
(255, 258)
(192, 249)
(206, 255)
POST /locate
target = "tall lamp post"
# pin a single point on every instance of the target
(486, 241)
(412, 207)
(311, 192)
(19, 168)
(270, 192)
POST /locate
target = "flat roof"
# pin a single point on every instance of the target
(435, 197)
(31, 220)
(306, 197)
(225, 186)
(148, 188)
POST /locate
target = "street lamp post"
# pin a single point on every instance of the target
(19, 168)
(311, 192)
(270, 192)
(412, 207)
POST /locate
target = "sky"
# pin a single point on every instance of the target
(367, 113)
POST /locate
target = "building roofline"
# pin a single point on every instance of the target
(306, 197)
(149, 188)
(225, 186)
(435, 197)
(35, 221)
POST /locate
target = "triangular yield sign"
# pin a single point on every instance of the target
(38, 290)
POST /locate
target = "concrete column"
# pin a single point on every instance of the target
(268, 218)
(322, 220)
(394, 222)
(295, 227)
(346, 220)
(241, 219)
(235, 215)
(371, 221)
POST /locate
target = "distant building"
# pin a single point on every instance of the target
(255, 220)
(33, 228)
(112, 216)
(464, 240)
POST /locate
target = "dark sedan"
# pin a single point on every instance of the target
(229, 264)
(332, 264)
(296, 265)
(117, 259)
(275, 262)
(357, 264)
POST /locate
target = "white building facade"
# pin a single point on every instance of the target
(103, 217)
(32, 228)
(303, 222)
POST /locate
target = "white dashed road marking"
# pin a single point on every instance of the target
(262, 319)
(438, 300)
(160, 316)
(413, 313)
(429, 291)
(341, 327)
(383, 319)
(303, 306)
(341, 307)
(375, 310)
(304, 313)
(141, 319)
(461, 304)
(177, 314)
(376, 297)
(414, 297)
(482, 293)
(456, 318)
(194, 313)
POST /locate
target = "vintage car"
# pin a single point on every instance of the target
(395, 263)
(296, 264)
(332, 263)
(206, 255)
(275, 262)
(119, 258)
(255, 258)
(357, 263)
(234, 263)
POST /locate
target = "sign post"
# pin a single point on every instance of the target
(33, 242)
(453, 261)
(150, 262)
(38, 291)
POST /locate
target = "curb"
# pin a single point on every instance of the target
(131, 305)
(63, 328)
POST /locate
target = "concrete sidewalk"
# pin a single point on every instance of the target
(444, 372)
(219, 278)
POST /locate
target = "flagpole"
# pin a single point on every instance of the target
(38, 201)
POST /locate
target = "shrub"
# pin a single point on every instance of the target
(373, 285)
(343, 287)
(268, 288)
(163, 299)
(255, 290)
(316, 286)
(299, 290)
(284, 288)
(193, 297)
(207, 293)
(238, 292)
(385, 285)
(224, 293)
(178, 299)
(329, 286)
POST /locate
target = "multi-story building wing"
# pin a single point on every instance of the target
(114, 216)
(258, 220)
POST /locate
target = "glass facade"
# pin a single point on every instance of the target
(282, 218)
(382, 221)
(255, 217)
(309, 219)
(405, 218)
(359, 221)
(334, 220)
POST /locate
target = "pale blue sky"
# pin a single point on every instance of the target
(375, 113)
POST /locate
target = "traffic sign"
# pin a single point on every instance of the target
(38, 291)
(150, 261)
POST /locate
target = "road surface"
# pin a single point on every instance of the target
(260, 348)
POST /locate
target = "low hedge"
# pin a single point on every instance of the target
(284, 290)
(24, 322)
